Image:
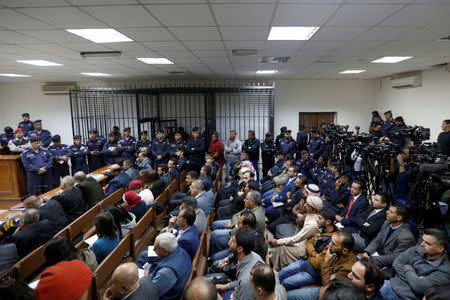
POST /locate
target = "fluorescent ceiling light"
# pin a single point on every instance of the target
(100, 54)
(96, 74)
(266, 71)
(102, 35)
(352, 71)
(391, 59)
(292, 33)
(14, 75)
(39, 63)
(155, 60)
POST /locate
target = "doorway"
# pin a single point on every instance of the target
(310, 119)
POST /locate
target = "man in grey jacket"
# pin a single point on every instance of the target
(420, 268)
(233, 147)
(393, 238)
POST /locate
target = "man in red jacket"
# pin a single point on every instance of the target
(216, 148)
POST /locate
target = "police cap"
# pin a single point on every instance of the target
(399, 119)
(112, 133)
(252, 132)
(37, 121)
(77, 137)
(268, 134)
(288, 130)
(301, 127)
(8, 130)
(34, 139)
(303, 152)
(127, 129)
(161, 131)
(25, 115)
(283, 129)
(56, 138)
(93, 130)
(144, 132)
(375, 113)
(388, 112)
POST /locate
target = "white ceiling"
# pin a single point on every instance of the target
(198, 36)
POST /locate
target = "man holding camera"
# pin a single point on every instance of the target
(444, 138)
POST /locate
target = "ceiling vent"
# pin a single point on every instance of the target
(445, 38)
(100, 54)
(243, 52)
(407, 80)
(274, 60)
(58, 88)
(325, 61)
(177, 73)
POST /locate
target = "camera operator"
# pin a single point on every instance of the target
(397, 133)
(388, 123)
(376, 125)
(405, 176)
(444, 138)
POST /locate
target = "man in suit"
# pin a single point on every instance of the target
(31, 233)
(130, 170)
(50, 210)
(71, 199)
(356, 206)
(120, 180)
(204, 198)
(393, 238)
(92, 191)
(369, 222)
(125, 284)
(272, 197)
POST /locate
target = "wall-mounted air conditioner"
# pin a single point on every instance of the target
(407, 80)
(58, 88)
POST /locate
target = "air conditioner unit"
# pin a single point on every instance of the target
(407, 80)
(58, 88)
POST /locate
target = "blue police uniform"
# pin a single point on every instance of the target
(316, 147)
(317, 172)
(302, 141)
(60, 168)
(339, 196)
(26, 126)
(19, 143)
(127, 147)
(160, 148)
(195, 150)
(174, 147)
(78, 158)
(387, 125)
(111, 157)
(396, 136)
(33, 161)
(140, 145)
(288, 147)
(4, 139)
(96, 160)
(45, 136)
(304, 167)
(268, 156)
(182, 164)
(378, 133)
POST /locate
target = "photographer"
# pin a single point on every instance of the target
(397, 132)
(444, 138)
(405, 175)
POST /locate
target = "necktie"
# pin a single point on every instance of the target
(349, 207)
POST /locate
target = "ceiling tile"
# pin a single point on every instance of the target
(54, 36)
(379, 1)
(64, 17)
(148, 34)
(244, 44)
(101, 2)
(122, 16)
(303, 15)
(33, 3)
(418, 15)
(213, 45)
(196, 33)
(173, 1)
(11, 37)
(83, 47)
(13, 20)
(338, 33)
(244, 33)
(243, 14)
(314, 1)
(212, 53)
(362, 15)
(183, 15)
(165, 46)
(131, 49)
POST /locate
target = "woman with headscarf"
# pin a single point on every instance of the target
(133, 204)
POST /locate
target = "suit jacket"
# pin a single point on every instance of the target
(288, 187)
(400, 240)
(72, 202)
(132, 173)
(205, 201)
(53, 211)
(189, 241)
(120, 181)
(145, 290)
(358, 207)
(375, 221)
(9, 257)
(92, 191)
(144, 166)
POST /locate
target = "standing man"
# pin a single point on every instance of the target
(6, 137)
(79, 154)
(127, 145)
(44, 135)
(216, 148)
(160, 148)
(444, 138)
(251, 146)
(61, 155)
(268, 153)
(37, 162)
(280, 136)
(315, 144)
(176, 145)
(95, 146)
(288, 145)
(143, 145)
(396, 132)
(376, 125)
(233, 148)
(26, 124)
(111, 149)
(196, 150)
(19, 144)
(388, 123)
(302, 139)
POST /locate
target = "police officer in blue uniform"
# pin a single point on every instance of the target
(159, 149)
(182, 163)
(315, 144)
(268, 151)
(61, 154)
(79, 154)
(26, 124)
(111, 149)
(305, 163)
(144, 144)
(388, 123)
(319, 169)
(302, 139)
(5, 138)
(337, 198)
(195, 149)
(397, 132)
(127, 145)
(288, 144)
(176, 144)
(280, 136)
(251, 146)
(19, 143)
(38, 163)
(376, 125)
(44, 135)
(95, 146)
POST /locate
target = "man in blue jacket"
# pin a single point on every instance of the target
(26, 124)
(270, 197)
(315, 144)
(120, 180)
(79, 154)
(111, 149)
(44, 135)
(95, 147)
(127, 145)
(61, 155)
(159, 149)
(195, 150)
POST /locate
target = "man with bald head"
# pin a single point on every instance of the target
(200, 288)
(50, 210)
(120, 180)
(125, 284)
(92, 191)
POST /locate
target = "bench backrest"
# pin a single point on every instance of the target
(113, 198)
(143, 233)
(84, 222)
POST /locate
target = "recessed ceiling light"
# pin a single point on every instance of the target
(102, 35)
(266, 71)
(391, 59)
(39, 63)
(352, 71)
(155, 60)
(291, 33)
(96, 74)
(13, 75)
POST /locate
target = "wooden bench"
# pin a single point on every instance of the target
(143, 233)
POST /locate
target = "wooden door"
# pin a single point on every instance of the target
(309, 119)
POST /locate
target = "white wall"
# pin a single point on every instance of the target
(425, 106)
(54, 110)
(353, 100)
